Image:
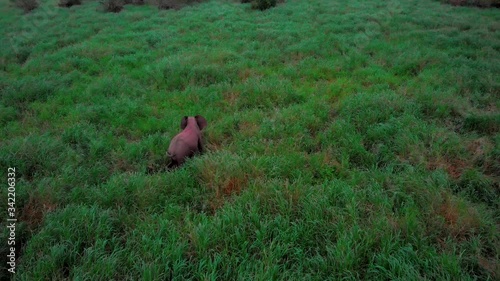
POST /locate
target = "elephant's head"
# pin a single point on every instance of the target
(198, 120)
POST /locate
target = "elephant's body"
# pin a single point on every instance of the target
(188, 142)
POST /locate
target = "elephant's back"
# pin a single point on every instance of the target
(180, 147)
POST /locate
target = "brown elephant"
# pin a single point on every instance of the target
(188, 142)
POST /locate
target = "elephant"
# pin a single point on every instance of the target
(188, 142)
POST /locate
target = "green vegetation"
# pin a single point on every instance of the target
(346, 140)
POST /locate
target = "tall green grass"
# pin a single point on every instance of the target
(346, 140)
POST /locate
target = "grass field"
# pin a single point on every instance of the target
(346, 140)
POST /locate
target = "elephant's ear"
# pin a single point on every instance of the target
(184, 122)
(202, 123)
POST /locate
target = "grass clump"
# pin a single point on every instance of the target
(90, 236)
(478, 187)
(486, 124)
(31, 89)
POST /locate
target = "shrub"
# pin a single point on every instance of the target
(134, 2)
(69, 3)
(263, 4)
(27, 5)
(114, 6)
(167, 4)
(174, 4)
(478, 3)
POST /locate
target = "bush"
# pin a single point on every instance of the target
(114, 6)
(27, 5)
(478, 3)
(69, 3)
(168, 4)
(262, 4)
(175, 4)
(134, 2)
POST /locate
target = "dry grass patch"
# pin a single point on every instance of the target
(479, 147)
(456, 219)
(33, 212)
(454, 167)
(248, 128)
(492, 266)
(231, 97)
(245, 74)
(224, 175)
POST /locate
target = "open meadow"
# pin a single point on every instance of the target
(346, 140)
